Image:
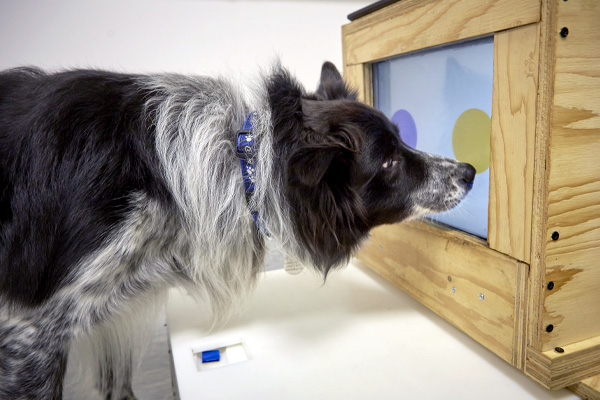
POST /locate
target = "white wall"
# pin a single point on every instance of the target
(187, 36)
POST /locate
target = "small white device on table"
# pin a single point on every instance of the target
(354, 337)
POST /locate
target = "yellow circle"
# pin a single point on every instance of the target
(471, 139)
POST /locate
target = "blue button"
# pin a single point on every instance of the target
(211, 356)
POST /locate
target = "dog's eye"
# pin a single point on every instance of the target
(390, 163)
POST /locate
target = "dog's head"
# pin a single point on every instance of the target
(347, 170)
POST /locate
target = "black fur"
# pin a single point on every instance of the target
(73, 148)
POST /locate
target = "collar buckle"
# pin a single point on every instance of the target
(245, 144)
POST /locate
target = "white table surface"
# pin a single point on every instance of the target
(356, 337)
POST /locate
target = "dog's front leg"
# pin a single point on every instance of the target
(114, 377)
(33, 361)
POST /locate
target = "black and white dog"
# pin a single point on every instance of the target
(114, 188)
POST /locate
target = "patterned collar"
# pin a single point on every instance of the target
(246, 154)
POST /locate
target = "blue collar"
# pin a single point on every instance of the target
(246, 152)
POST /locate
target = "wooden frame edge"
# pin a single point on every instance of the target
(420, 25)
(520, 332)
(537, 277)
(566, 366)
(512, 140)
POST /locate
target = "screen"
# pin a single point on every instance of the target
(441, 100)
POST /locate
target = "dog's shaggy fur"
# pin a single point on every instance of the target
(114, 188)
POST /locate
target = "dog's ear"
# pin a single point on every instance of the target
(328, 143)
(308, 166)
(332, 86)
(323, 184)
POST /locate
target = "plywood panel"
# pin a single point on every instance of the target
(414, 24)
(555, 370)
(588, 388)
(476, 289)
(573, 261)
(537, 277)
(513, 140)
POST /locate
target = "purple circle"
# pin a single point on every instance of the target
(407, 127)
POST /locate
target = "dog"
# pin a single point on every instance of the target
(116, 187)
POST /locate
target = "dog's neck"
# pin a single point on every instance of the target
(246, 153)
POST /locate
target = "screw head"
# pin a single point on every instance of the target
(550, 285)
(555, 235)
(481, 296)
(564, 31)
(453, 290)
(549, 328)
(559, 350)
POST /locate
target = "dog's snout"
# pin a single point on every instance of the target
(467, 174)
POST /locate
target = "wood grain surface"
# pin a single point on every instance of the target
(460, 280)
(414, 24)
(513, 140)
(573, 260)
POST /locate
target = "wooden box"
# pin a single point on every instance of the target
(530, 292)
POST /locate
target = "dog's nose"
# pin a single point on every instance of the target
(467, 174)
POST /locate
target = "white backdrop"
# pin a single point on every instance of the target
(187, 36)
